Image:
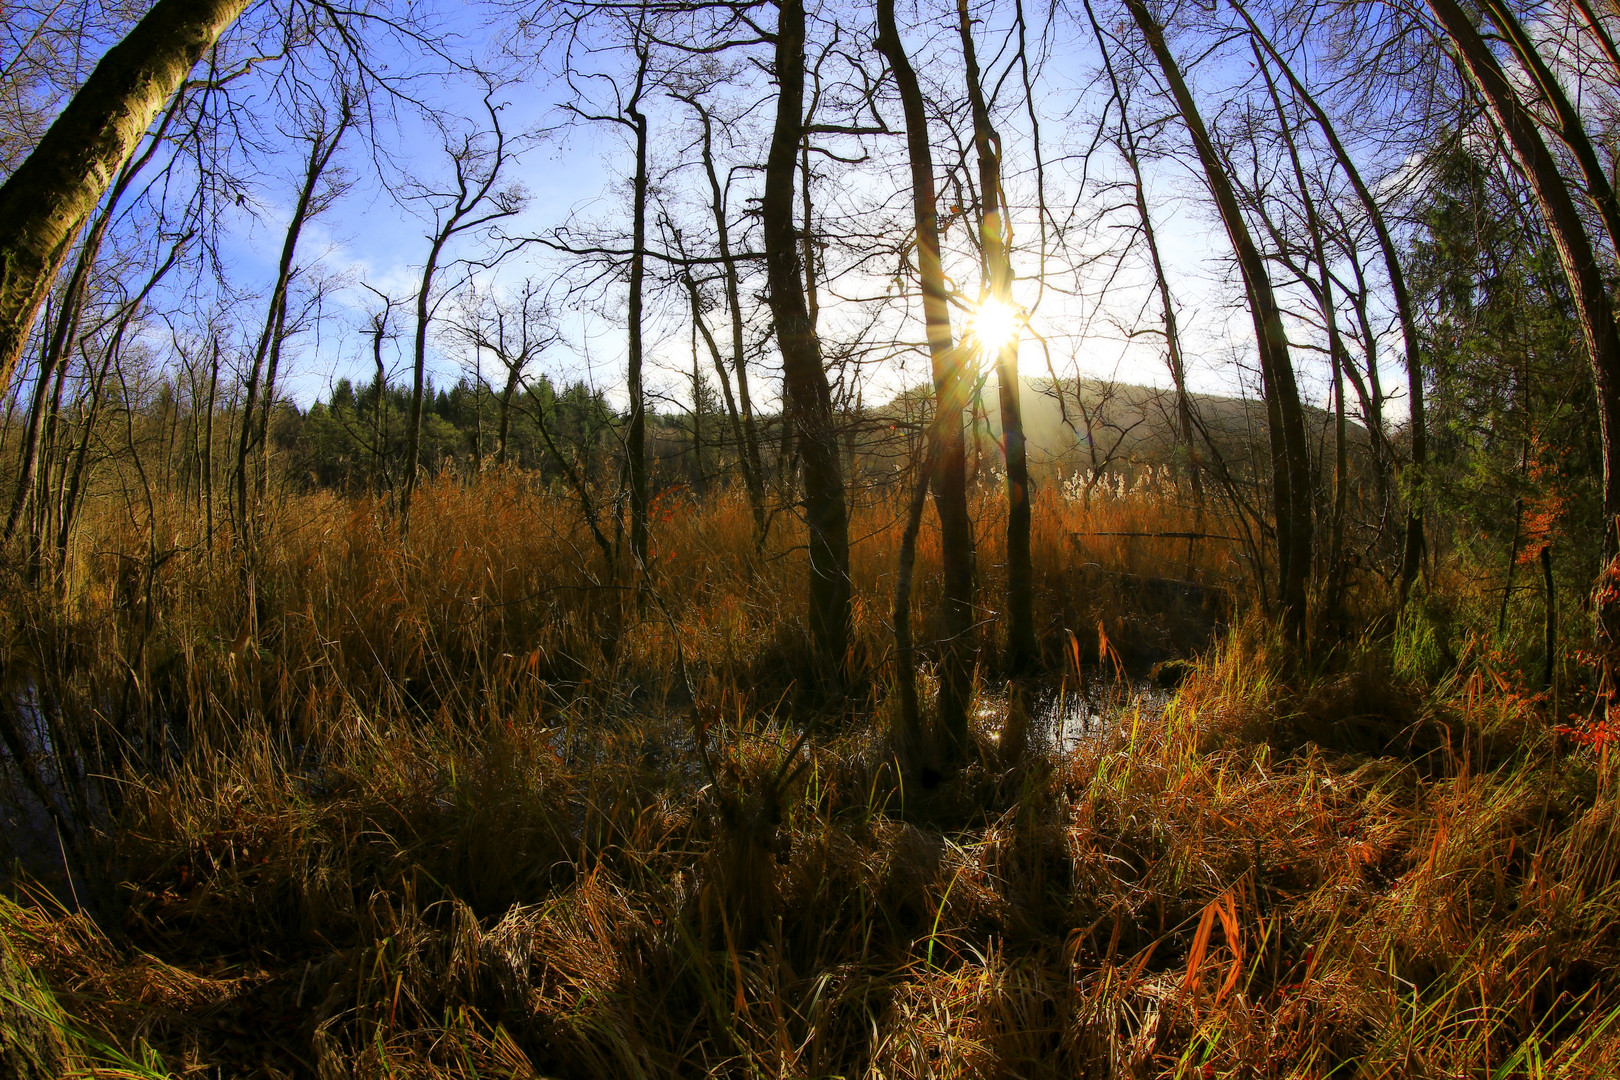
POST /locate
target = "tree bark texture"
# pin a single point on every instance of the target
(47, 200)
(804, 376)
(31, 1044)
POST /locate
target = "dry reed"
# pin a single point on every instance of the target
(467, 803)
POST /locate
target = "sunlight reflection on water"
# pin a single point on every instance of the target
(1065, 718)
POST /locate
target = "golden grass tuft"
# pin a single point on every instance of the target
(440, 805)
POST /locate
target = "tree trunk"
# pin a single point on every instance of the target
(1322, 290)
(748, 441)
(379, 434)
(804, 377)
(1570, 129)
(34, 423)
(1290, 450)
(1022, 650)
(321, 150)
(61, 342)
(732, 415)
(1599, 33)
(1593, 309)
(947, 456)
(635, 440)
(1130, 150)
(126, 318)
(1414, 544)
(32, 1046)
(45, 510)
(504, 414)
(470, 193)
(46, 201)
(208, 443)
(909, 736)
(697, 481)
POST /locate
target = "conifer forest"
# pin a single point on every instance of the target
(810, 539)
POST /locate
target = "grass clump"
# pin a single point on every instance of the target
(431, 807)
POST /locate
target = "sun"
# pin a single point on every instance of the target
(993, 325)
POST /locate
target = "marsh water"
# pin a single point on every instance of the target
(1064, 717)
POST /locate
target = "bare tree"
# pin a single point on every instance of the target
(1414, 544)
(1022, 650)
(1568, 126)
(635, 441)
(266, 359)
(743, 411)
(516, 330)
(1321, 288)
(45, 202)
(378, 332)
(474, 201)
(1290, 451)
(804, 375)
(60, 342)
(1130, 150)
(946, 469)
(96, 395)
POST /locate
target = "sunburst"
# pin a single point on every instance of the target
(993, 325)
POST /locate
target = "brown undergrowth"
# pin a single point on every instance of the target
(432, 808)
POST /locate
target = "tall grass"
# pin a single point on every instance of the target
(465, 802)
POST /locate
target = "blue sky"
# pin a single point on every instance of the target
(375, 236)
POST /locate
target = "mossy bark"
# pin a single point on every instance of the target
(30, 1044)
(45, 203)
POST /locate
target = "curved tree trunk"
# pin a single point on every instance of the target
(1413, 548)
(1595, 27)
(1593, 309)
(46, 201)
(61, 341)
(1570, 130)
(1290, 450)
(1322, 290)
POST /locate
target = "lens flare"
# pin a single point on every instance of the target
(993, 325)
